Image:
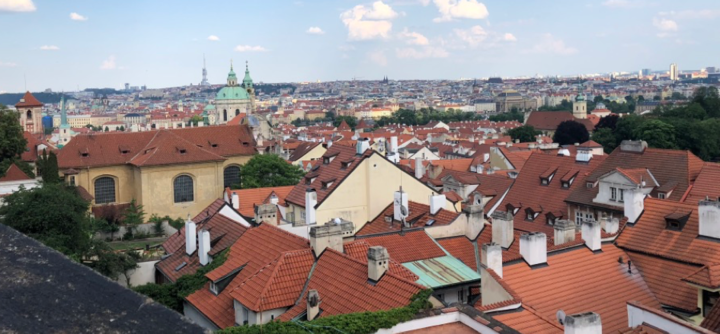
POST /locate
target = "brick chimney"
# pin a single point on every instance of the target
(591, 235)
(564, 232)
(419, 168)
(634, 204)
(491, 257)
(235, 199)
(190, 237)
(313, 304)
(709, 219)
(583, 323)
(475, 220)
(502, 229)
(310, 202)
(204, 247)
(400, 199)
(378, 262)
(330, 235)
(437, 202)
(533, 248)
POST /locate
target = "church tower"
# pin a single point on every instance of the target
(30, 113)
(232, 78)
(248, 85)
(580, 106)
(64, 126)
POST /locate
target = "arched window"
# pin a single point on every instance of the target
(237, 112)
(29, 114)
(225, 115)
(231, 176)
(183, 189)
(104, 190)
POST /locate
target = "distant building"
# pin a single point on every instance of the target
(234, 98)
(30, 113)
(510, 99)
(674, 74)
(204, 81)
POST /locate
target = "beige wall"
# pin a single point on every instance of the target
(124, 181)
(315, 153)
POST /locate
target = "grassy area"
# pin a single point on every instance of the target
(133, 244)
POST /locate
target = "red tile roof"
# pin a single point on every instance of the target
(348, 291)
(251, 197)
(359, 250)
(418, 216)
(411, 246)
(549, 120)
(302, 149)
(664, 278)
(344, 126)
(462, 249)
(177, 240)
(28, 100)
(529, 321)
(156, 147)
(706, 184)
(712, 320)
(578, 281)
(707, 276)
(14, 173)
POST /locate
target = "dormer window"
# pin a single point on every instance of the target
(327, 184)
(661, 195)
(566, 184)
(84, 154)
(544, 181)
(589, 185)
(676, 221)
(213, 288)
(182, 150)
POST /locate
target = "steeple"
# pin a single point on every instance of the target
(232, 78)
(247, 81)
(63, 113)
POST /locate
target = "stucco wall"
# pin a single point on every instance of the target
(195, 316)
(144, 274)
(125, 185)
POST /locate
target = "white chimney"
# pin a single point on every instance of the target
(533, 248)
(502, 229)
(564, 232)
(190, 237)
(329, 235)
(709, 219)
(634, 204)
(479, 169)
(583, 323)
(363, 144)
(591, 235)
(486, 157)
(583, 155)
(475, 220)
(274, 199)
(564, 152)
(393, 144)
(437, 202)
(400, 199)
(310, 202)
(610, 226)
(204, 247)
(419, 168)
(378, 262)
(313, 304)
(329, 144)
(235, 201)
(491, 257)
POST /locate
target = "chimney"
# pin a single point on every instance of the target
(638, 146)
(235, 201)
(419, 168)
(610, 226)
(709, 219)
(491, 257)
(329, 144)
(204, 247)
(363, 144)
(393, 144)
(475, 220)
(486, 157)
(437, 202)
(591, 235)
(583, 323)
(274, 199)
(400, 199)
(378, 262)
(330, 235)
(190, 237)
(634, 204)
(479, 169)
(533, 248)
(310, 202)
(502, 229)
(564, 232)
(313, 304)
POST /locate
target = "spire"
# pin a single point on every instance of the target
(232, 78)
(247, 81)
(63, 113)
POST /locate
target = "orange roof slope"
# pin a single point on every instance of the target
(529, 321)
(348, 291)
(463, 249)
(712, 320)
(177, 240)
(169, 148)
(251, 197)
(14, 173)
(359, 250)
(665, 280)
(302, 149)
(706, 184)
(28, 101)
(578, 281)
(411, 246)
(419, 215)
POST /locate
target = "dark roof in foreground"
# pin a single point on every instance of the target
(45, 292)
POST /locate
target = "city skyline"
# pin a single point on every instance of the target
(68, 45)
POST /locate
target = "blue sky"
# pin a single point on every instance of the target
(88, 43)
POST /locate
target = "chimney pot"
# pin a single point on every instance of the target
(709, 218)
(437, 202)
(313, 304)
(378, 262)
(564, 232)
(329, 235)
(475, 220)
(491, 257)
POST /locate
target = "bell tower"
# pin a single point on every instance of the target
(30, 113)
(580, 106)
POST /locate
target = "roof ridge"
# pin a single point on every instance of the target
(278, 263)
(145, 148)
(387, 272)
(285, 232)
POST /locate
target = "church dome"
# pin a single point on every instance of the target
(232, 93)
(580, 98)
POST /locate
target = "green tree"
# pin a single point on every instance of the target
(50, 172)
(269, 170)
(134, 215)
(122, 128)
(708, 98)
(606, 138)
(351, 121)
(12, 141)
(571, 132)
(511, 116)
(111, 264)
(525, 133)
(625, 128)
(657, 134)
(195, 120)
(678, 96)
(107, 129)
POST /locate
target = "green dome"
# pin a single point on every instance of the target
(232, 93)
(580, 98)
(209, 107)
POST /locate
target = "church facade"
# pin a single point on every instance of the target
(234, 98)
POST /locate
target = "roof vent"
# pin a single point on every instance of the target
(583, 155)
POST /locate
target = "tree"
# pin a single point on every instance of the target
(525, 133)
(48, 167)
(678, 96)
(107, 129)
(121, 128)
(606, 138)
(709, 99)
(609, 121)
(571, 132)
(105, 261)
(351, 121)
(195, 120)
(12, 141)
(657, 134)
(134, 216)
(269, 170)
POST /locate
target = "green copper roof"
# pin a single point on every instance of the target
(232, 75)
(580, 97)
(232, 93)
(209, 107)
(63, 112)
(442, 271)
(247, 81)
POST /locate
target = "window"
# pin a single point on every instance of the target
(302, 215)
(72, 181)
(231, 176)
(661, 195)
(225, 115)
(29, 114)
(237, 112)
(709, 299)
(622, 193)
(461, 296)
(578, 217)
(613, 194)
(589, 216)
(104, 190)
(589, 185)
(183, 189)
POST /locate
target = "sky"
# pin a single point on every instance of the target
(71, 44)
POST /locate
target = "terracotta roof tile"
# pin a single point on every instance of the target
(707, 184)
(359, 249)
(302, 149)
(463, 249)
(28, 100)
(177, 239)
(419, 216)
(412, 246)
(549, 120)
(707, 276)
(168, 148)
(526, 320)
(712, 320)
(249, 198)
(14, 173)
(664, 278)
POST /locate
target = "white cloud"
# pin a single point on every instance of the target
(473, 36)
(693, 14)
(549, 44)
(508, 37)
(7, 64)
(413, 38)
(315, 31)
(664, 24)
(249, 48)
(460, 9)
(378, 57)
(78, 17)
(49, 48)
(17, 6)
(365, 23)
(108, 64)
(426, 52)
(213, 38)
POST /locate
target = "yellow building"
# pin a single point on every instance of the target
(170, 172)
